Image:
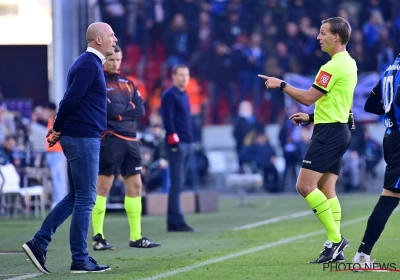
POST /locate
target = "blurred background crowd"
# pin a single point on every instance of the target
(225, 43)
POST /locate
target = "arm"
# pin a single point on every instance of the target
(374, 101)
(81, 82)
(137, 104)
(305, 97)
(132, 110)
(167, 111)
(114, 110)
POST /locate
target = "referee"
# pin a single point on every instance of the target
(332, 93)
(120, 151)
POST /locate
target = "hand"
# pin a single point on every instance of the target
(271, 82)
(162, 163)
(298, 118)
(55, 137)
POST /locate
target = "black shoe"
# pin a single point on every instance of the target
(339, 258)
(143, 243)
(37, 256)
(331, 251)
(101, 244)
(89, 266)
(182, 228)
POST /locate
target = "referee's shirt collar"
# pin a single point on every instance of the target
(96, 52)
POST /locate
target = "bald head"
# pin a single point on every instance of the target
(100, 36)
(94, 30)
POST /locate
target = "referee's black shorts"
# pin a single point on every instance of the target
(328, 144)
(391, 154)
(119, 154)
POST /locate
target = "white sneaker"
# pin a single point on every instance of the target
(364, 264)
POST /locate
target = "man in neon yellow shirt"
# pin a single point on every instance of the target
(332, 93)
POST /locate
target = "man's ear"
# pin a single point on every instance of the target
(98, 40)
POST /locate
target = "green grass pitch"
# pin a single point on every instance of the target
(277, 250)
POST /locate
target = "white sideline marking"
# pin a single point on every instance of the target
(26, 276)
(275, 220)
(249, 251)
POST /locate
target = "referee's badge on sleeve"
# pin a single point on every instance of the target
(323, 79)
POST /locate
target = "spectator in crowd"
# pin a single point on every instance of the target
(158, 15)
(114, 12)
(289, 139)
(373, 153)
(352, 159)
(56, 161)
(204, 46)
(177, 41)
(372, 29)
(227, 31)
(8, 152)
(294, 43)
(277, 65)
(222, 80)
(156, 174)
(246, 123)
(385, 53)
(263, 155)
(37, 129)
(268, 30)
(255, 58)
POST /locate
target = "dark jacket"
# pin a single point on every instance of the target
(83, 110)
(124, 107)
(175, 109)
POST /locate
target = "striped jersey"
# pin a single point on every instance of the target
(387, 90)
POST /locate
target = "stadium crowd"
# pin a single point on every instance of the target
(226, 43)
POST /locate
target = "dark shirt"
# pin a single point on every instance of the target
(175, 111)
(5, 156)
(83, 110)
(260, 154)
(126, 105)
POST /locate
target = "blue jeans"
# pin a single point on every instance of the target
(83, 167)
(178, 164)
(58, 166)
(165, 179)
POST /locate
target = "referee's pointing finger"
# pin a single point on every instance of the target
(263, 77)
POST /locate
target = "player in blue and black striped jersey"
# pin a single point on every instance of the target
(384, 100)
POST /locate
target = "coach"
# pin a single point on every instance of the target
(175, 110)
(79, 124)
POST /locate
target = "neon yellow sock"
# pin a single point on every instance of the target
(133, 208)
(320, 205)
(98, 213)
(336, 210)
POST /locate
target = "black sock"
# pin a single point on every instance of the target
(376, 222)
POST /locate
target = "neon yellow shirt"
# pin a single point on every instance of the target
(337, 79)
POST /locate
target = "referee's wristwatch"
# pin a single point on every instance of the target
(282, 86)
